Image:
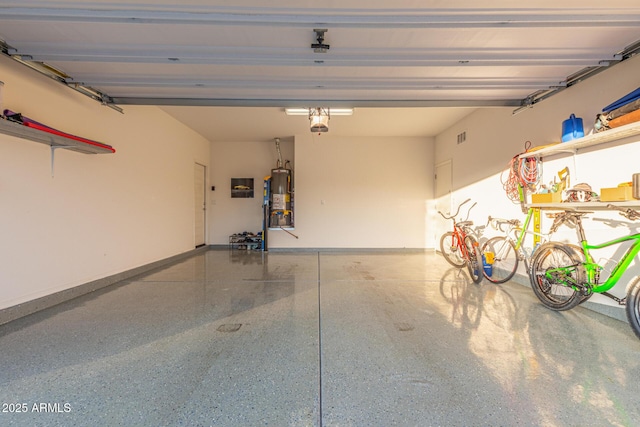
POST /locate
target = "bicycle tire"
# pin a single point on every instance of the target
(474, 263)
(505, 260)
(552, 292)
(632, 306)
(450, 251)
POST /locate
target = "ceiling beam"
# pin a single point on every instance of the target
(221, 102)
(577, 77)
(302, 58)
(349, 18)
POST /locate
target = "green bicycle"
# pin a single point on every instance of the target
(563, 277)
(508, 250)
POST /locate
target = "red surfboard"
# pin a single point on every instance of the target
(42, 127)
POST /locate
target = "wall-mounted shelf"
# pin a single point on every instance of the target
(572, 147)
(54, 141)
(584, 205)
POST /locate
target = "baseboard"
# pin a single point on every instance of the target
(26, 308)
(360, 250)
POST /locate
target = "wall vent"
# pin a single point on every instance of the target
(462, 137)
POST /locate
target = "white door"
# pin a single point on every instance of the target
(444, 182)
(443, 188)
(200, 204)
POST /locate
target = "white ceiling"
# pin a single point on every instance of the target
(435, 59)
(233, 124)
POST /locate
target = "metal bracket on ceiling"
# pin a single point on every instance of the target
(525, 103)
(58, 75)
(321, 46)
(575, 78)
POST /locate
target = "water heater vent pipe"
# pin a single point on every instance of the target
(279, 164)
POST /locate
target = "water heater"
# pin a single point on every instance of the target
(281, 213)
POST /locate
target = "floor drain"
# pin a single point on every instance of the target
(231, 327)
(404, 327)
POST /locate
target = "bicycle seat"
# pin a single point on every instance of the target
(465, 223)
(568, 217)
(568, 213)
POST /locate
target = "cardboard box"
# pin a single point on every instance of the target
(547, 197)
(616, 194)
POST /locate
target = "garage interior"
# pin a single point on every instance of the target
(124, 299)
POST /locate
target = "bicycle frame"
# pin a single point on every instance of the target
(592, 268)
(520, 232)
(459, 235)
(524, 230)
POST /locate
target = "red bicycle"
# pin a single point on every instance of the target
(460, 248)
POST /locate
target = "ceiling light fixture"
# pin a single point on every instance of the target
(319, 119)
(318, 116)
(305, 111)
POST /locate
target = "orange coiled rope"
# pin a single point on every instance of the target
(524, 172)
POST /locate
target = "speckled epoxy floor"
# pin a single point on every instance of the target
(230, 338)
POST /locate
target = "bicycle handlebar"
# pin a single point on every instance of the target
(630, 214)
(458, 210)
(499, 223)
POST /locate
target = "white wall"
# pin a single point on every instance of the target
(100, 214)
(360, 192)
(494, 136)
(350, 192)
(241, 160)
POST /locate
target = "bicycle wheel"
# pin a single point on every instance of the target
(450, 250)
(505, 259)
(474, 263)
(554, 268)
(633, 306)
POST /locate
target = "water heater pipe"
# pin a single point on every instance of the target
(279, 164)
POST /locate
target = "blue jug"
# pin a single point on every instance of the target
(572, 128)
